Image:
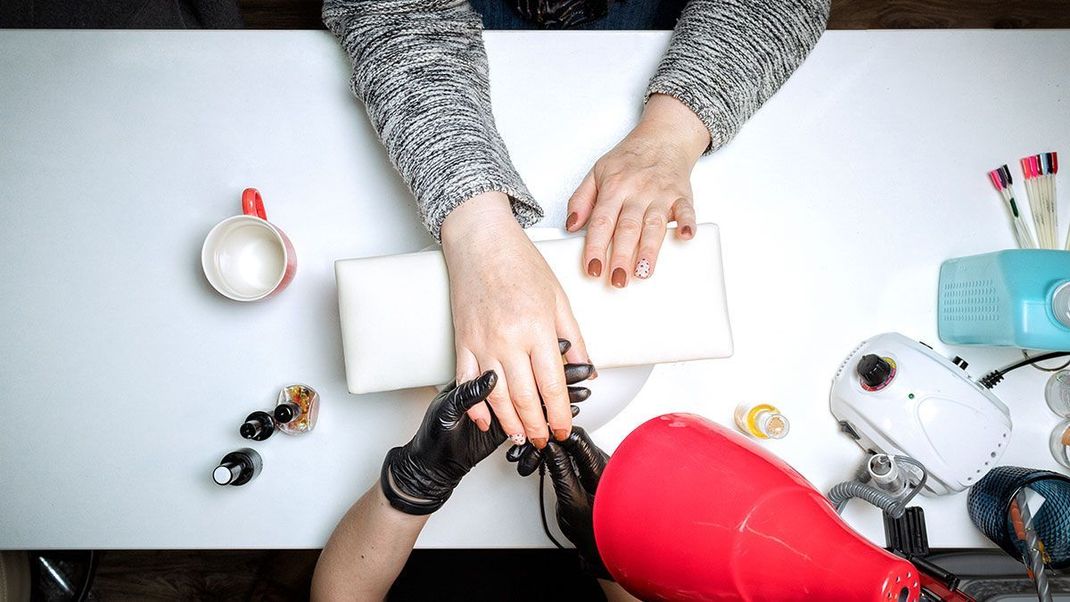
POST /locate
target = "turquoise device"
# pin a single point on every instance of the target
(1015, 298)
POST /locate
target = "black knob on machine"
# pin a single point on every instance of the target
(874, 370)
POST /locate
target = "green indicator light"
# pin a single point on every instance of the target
(910, 396)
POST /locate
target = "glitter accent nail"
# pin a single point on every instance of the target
(642, 269)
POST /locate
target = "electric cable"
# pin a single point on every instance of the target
(87, 583)
(1025, 354)
(542, 506)
(895, 507)
(994, 377)
(902, 507)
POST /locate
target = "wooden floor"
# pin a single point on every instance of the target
(846, 14)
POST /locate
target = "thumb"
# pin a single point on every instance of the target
(563, 474)
(590, 459)
(581, 204)
(469, 394)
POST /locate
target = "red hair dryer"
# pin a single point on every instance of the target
(688, 510)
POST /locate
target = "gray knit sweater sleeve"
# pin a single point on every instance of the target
(420, 68)
(727, 57)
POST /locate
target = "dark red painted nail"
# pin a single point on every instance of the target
(620, 278)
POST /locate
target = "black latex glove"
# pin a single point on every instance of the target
(576, 466)
(575, 373)
(420, 476)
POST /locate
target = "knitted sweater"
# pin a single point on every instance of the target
(421, 70)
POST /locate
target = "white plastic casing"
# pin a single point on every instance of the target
(930, 410)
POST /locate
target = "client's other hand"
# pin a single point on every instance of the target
(420, 476)
(632, 193)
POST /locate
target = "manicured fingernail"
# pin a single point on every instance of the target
(685, 231)
(560, 434)
(594, 371)
(571, 221)
(594, 268)
(642, 269)
(575, 410)
(518, 438)
(483, 424)
(620, 278)
(539, 442)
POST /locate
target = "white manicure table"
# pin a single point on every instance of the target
(124, 376)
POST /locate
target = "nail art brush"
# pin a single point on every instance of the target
(1001, 179)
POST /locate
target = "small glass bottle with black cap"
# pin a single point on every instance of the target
(297, 409)
(238, 467)
(258, 426)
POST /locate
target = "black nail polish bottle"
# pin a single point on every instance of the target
(238, 467)
(258, 426)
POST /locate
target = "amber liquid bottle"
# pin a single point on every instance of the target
(761, 421)
(297, 409)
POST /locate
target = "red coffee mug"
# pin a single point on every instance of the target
(246, 257)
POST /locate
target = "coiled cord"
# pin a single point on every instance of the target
(894, 506)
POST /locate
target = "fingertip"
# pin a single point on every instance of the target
(644, 268)
(578, 394)
(514, 453)
(686, 232)
(594, 267)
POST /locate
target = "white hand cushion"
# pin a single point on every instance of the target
(397, 330)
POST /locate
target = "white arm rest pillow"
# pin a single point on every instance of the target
(397, 330)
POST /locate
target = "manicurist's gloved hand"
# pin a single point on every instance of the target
(576, 466)
(418, 477)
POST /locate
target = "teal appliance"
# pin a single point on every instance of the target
(1015, 298)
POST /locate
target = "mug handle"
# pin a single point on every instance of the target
(252, 203)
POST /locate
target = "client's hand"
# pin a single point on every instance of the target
(636, 189)
(508, 312)
(420, 476)
(576, 466)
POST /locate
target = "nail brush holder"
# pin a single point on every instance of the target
(397, 330)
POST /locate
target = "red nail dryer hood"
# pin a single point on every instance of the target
(688, 510)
